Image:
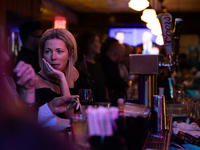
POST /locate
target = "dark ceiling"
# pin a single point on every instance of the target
(114, 6)
(101, 13)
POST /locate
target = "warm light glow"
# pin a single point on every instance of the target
(159, 40)
(155, 27)
(138, 5)
(153, 23)
(148, 15)
(156, 31)
(60, 22)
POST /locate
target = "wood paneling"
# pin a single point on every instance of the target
(26, 8)
(29, 8)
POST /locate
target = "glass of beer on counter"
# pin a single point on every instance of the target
(79, 127)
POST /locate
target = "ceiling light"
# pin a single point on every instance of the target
(152, 23)
(156, 31)
(138, 5)
(155, 27)
(148, 15)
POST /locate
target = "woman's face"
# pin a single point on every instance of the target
(56, 54)
(96, 46)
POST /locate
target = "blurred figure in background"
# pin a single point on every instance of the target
(115, 84)
(124, 65)
(147, 46)
(124, 70)
(85, 80)
(193, 59)
(30, 33)
(89, 44)
(106, 44)
(182, 68)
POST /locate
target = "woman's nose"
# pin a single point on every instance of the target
(54, 56)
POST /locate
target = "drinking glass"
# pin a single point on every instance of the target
(79, 128)
(86, 98)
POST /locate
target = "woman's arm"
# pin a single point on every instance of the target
(64, 88)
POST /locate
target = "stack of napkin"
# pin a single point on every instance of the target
(101, 120)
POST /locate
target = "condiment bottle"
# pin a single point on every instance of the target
(121, 106)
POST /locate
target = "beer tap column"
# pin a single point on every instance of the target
(176, 35)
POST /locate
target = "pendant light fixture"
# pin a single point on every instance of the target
(138, 5)
(148, 15)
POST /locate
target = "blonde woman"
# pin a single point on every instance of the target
(57, 56)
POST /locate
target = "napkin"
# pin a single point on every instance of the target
(93, 122)
(193, 129)
(101, 120)
(186, 127)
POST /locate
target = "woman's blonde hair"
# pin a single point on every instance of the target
(66, 37)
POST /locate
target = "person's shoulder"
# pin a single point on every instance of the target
(75, 73)
(25, 51)
(27, 56)
(40, 83)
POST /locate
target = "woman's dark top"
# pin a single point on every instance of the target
(46, 95)
(96, 72)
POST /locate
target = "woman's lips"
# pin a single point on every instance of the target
(55, 66)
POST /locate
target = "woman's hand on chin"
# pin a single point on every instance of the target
(51, 72)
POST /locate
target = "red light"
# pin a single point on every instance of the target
(60, 22)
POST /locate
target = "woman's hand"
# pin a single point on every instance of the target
(57, 75)
(51, 72)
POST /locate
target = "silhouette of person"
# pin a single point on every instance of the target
(147, 46)
(30, 33)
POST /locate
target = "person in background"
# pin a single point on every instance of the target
(147, 46)
(124, 69)
(182, 69)
(193, 59)
(85, 81)
(30, 33)
(106, 44)
(89, 44)
(124, 65)
(57, 56)
(115, 84)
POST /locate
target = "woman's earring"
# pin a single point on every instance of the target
(72, 53)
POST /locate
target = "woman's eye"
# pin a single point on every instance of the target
(59, 51)
(47, 51)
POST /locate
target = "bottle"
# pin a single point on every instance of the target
(120, 102)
